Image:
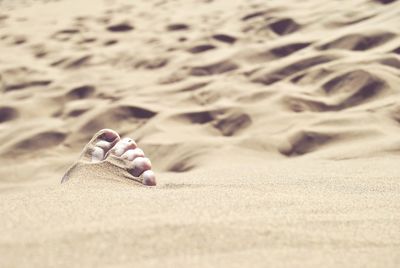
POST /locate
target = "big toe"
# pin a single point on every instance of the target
(102, 142)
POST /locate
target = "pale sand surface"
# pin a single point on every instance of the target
(273, 127)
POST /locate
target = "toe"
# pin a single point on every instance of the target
(149, 178)
(99, 145)
(108, 135)
(132, 154)
(100, 150)
(122, 146)
(140, 165)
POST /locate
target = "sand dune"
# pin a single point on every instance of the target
(273, 127)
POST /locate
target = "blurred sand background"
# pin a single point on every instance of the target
(273, 126)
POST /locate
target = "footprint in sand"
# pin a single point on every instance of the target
(359, 42)
(177, 27)
(7, 114)
(108, 156)
(284, 26)
(120, 27)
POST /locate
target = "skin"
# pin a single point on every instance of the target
(107, 142)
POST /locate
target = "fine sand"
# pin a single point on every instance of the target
(273, 128)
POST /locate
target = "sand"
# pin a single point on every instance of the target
(272, 126)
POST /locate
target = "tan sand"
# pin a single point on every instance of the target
(273, 127)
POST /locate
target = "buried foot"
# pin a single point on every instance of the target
(110, 157)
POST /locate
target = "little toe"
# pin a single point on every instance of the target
(139, 166)
(122, 146)
(149, 178)
(99, 145)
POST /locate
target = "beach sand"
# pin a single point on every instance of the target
(273, 128)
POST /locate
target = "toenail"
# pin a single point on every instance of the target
(109, 136)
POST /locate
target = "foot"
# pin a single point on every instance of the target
(109, 156)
